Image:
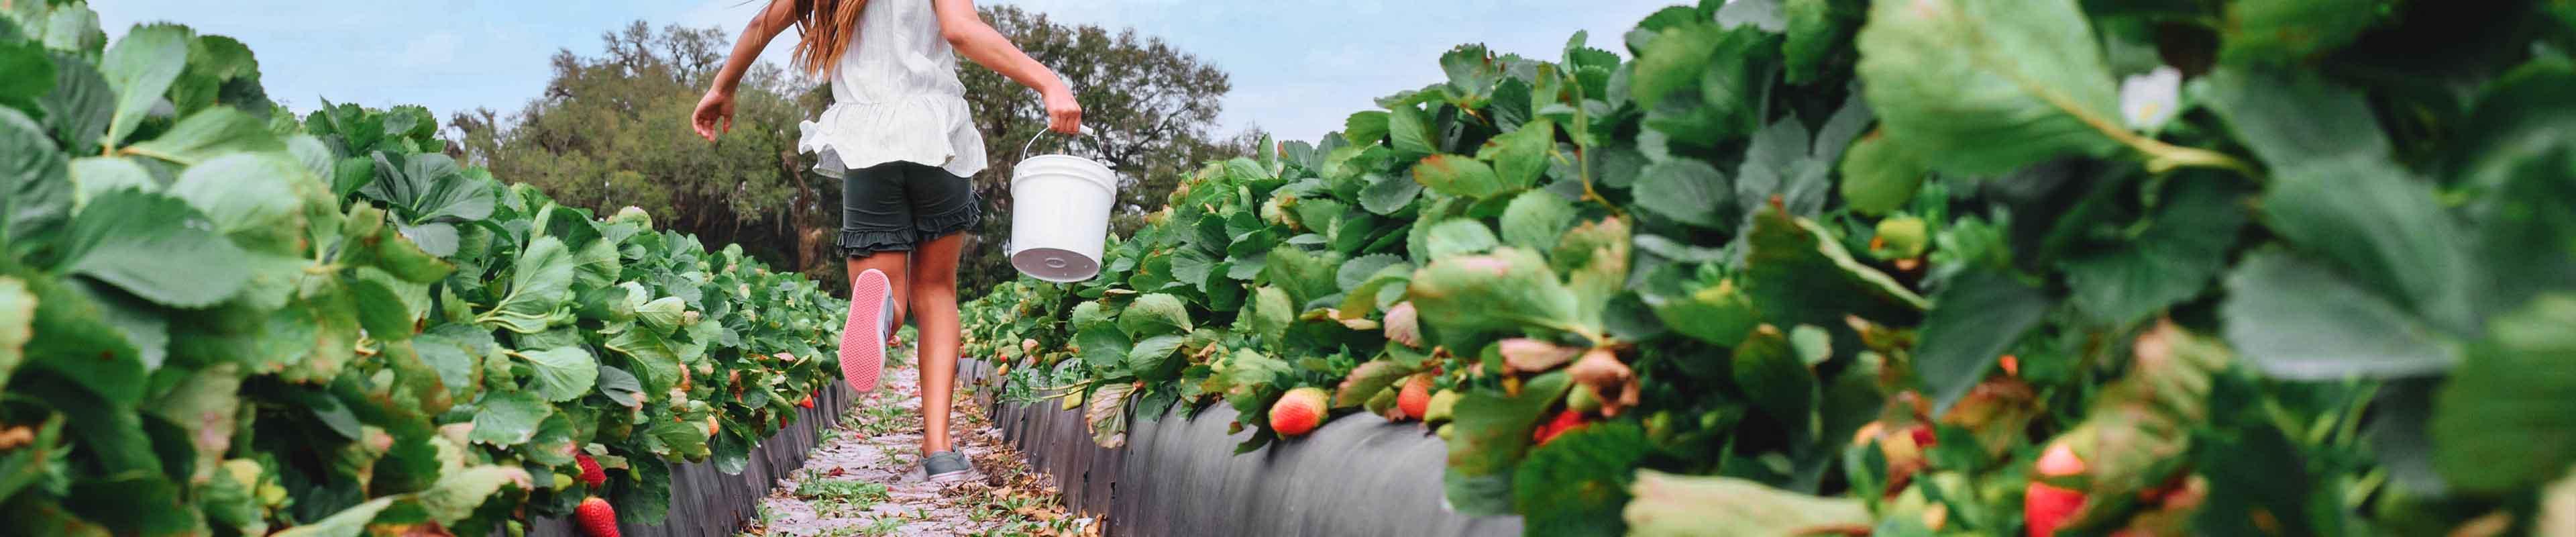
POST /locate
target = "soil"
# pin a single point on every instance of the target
(878, 442)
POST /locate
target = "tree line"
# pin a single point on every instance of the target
(610, 131)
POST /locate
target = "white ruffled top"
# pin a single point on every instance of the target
(896, 98)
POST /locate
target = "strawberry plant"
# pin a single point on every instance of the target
(219, 318)
(1912, 267)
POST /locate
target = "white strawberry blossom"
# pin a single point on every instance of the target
(2149, 100)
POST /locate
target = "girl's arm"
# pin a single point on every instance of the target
(715, 112)
(977, 41)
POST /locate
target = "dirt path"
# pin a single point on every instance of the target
(864, 479)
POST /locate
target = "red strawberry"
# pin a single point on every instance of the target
(595, 518)
(807, 403)
(2045, 507)
(1299, 412)
(1415, 398)
(590, 472)
(1565, 421)
(1923, 436)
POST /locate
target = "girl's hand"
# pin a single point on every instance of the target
(1063, 114)
(715, 115)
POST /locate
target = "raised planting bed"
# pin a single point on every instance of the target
(1358, 475)
(706, 502)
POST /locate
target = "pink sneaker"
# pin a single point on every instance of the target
(863, 338)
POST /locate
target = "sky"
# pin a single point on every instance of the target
(1298, 66)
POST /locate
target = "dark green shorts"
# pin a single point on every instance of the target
(896, 206)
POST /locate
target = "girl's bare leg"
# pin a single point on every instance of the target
(934, 298)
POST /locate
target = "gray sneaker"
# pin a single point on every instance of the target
(946, 467)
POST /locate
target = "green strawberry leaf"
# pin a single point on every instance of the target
(1535, 219)
(455, 351)
(1816, 32)
(350, 522)
(257, 199)
(456, 495)
(1776, 381)
(1366, 127)
(1687, 191)
(35, 194)
(1090, 314)
(2386, 229)
(1457, 175)
(1520, 157)
(2289, 30)
(1409, 132)
(562, 373)
(1577, 483)
(1152, 357)
(1508, 289)
(2292, 318)
(1877, 178)
(2291, 118)
(1360, 270)
(1796, 274)
(1459, 236)
(34, 66)
(2500, 423)
(1492, 434)
(157, 247)
(1104, 349)
(539, 282)
(80, 105)
(1387, 195)
(1989, 85)
(2171, 261)
(620, 386)
(1155, 314)
(141, 66)
(209, 134)
(1668, 504)
(1716, 313)
(1975, 318)
(508, 418)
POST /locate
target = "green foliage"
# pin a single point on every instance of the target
(224, 319)
(1800, 230)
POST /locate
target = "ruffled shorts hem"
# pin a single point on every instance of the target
(862, 243)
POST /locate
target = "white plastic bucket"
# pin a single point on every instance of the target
(1060, 216)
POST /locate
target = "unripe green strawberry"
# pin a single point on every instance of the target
(1900, 237)
(1441, 406)
(1582, 399)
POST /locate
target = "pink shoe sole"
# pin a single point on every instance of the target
(863, 337)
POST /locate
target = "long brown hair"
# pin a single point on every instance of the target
(829, 26)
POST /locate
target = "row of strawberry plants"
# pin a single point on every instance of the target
(1911, 267)
(217, 317)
